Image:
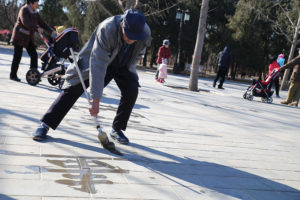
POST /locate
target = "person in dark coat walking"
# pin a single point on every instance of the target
(28, 22)
(224, 60)
(112, 52)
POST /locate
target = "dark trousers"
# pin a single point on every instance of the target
(277, 86)
(220, 75)
(18, 51)
(127, 83)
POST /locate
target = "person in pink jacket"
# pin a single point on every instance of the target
(163, 73)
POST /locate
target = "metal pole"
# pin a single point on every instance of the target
(284, 83)
(176, 65)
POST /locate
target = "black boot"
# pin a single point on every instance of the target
(40, 133)
(15, 78)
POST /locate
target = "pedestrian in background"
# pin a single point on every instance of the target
(293, 95)
(164, 52)
(28, 22)
(8, 38)
(224, 60)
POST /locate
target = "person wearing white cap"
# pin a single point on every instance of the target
(164, 53)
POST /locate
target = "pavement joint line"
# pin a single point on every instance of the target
(214, 151)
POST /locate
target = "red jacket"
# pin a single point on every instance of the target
(163, 52)
(27, 23)
(272, 66)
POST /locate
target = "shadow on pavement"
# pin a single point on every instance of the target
(4, 197)
(220, 178)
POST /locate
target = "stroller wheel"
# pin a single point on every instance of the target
(250, 97)
(33, 76)
(52, 80)
(245, 95)
(267, 100)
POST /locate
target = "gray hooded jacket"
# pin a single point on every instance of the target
(101, 49)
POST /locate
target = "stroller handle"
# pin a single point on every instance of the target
(44, 39)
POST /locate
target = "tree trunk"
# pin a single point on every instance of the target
(153, 56)
(193, 84)
(233, 71)
(103, 7)
(145, 58)
(284, 83)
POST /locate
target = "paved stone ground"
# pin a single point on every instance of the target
(184, 145)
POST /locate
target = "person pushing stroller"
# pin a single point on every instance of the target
(28, 22)
(260, 88)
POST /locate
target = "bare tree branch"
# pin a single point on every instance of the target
(131, 4)
(160, 11)
(120, 3)
(103, 7)
(275, 26)
(7, 16)
(287, 15)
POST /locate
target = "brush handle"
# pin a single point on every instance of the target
(101, 134)
(83, 85)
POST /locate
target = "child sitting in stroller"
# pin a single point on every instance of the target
(56, 50)
(263, 88)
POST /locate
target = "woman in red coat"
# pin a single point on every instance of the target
(163, 53)
(28, 22)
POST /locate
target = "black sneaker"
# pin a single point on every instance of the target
(220, 87)
(15, 79)
(40, 134)
(119, 136)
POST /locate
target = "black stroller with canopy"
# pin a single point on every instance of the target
(54, 57)
(262, 89)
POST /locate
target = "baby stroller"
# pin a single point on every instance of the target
(262, 88)
(59, 49)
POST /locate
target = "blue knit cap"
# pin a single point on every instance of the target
(31, 1)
